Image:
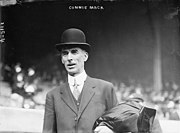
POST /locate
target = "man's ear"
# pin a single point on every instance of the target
(86, 55)
(62, 60)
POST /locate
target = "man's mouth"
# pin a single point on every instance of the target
(71, 65)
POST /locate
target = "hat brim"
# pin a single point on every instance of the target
(84, 46)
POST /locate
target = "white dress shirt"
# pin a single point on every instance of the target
(79, 80)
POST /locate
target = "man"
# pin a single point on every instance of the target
(74, 106)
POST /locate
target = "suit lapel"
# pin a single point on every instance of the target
(67, 97)
(87, 94)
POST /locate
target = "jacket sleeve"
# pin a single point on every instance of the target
(111, 97)
(49, 125)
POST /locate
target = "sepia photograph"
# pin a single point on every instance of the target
(90, 66)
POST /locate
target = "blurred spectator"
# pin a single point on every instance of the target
(175, 113)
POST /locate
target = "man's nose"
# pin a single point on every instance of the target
(69, 56)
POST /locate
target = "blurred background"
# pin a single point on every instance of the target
(135, 45)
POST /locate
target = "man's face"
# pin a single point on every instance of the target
(73, 60)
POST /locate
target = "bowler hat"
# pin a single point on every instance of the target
(73, 38)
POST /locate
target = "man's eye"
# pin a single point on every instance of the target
(64, 52)
(74, 51)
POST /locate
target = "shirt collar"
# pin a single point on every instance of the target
(79, 78)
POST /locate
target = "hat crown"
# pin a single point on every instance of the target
(73, 38)
(73, 35)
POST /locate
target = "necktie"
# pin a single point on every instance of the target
(76, 92)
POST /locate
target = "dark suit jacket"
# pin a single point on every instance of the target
(62, 115)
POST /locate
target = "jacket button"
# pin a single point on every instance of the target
(75, 118)
(78, 103)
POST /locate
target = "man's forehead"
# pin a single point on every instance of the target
(69, 49)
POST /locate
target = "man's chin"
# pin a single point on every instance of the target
(72, 72)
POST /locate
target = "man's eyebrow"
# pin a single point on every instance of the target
(74, 49)
(64, 50)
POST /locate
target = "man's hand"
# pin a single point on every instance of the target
(102, 129)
